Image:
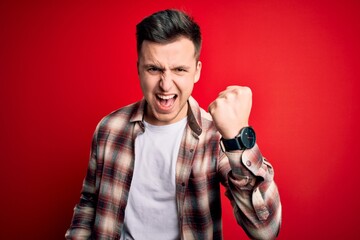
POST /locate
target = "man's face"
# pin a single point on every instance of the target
(167, 75)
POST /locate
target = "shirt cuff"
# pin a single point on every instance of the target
(247, 162)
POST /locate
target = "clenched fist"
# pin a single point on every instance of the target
(231, 110)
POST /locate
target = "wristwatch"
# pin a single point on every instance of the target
(245, 140)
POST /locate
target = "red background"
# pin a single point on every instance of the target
(66, 64)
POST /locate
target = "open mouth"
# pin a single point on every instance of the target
(166, 101)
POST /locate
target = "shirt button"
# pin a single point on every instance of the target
(248, 163)
(191, 150)
(183, 184)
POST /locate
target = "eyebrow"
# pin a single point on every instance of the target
(181, 66)
(152, 65)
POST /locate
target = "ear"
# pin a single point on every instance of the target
(198, 71)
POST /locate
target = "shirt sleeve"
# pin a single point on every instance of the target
(253, 193)
(84, 212)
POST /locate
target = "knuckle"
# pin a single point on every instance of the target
(248, 90)
(245, 91)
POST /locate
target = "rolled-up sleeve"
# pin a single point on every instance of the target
(254, 194)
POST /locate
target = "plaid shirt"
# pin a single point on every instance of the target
(201, 167)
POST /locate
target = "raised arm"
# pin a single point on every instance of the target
(250, 183)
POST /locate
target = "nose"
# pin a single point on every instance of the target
(166, 81)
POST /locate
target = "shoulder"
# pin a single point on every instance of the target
(203, 118)
(121, 117)
(207, 123)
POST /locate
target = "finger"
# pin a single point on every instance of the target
(230, 89)
(233, 87)
(228, 93)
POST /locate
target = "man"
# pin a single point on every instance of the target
(156, 165)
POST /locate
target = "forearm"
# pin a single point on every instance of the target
(83, 218)
(80, 227)
(84, 212)
(254, 194)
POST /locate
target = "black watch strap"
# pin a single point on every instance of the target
(231, 144)
(245, 140)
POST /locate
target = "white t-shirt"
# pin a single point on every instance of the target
(151, 211)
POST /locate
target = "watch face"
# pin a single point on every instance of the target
(248, 137)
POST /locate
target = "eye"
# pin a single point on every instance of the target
(180, 70)
(153, 69)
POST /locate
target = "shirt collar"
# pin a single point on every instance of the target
(194, 114)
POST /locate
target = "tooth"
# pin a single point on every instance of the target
(166, 97)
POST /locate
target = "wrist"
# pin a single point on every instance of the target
(230, 133)
(244, 140)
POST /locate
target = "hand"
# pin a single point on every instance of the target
(231, 110)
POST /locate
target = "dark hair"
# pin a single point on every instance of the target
(167, 25)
